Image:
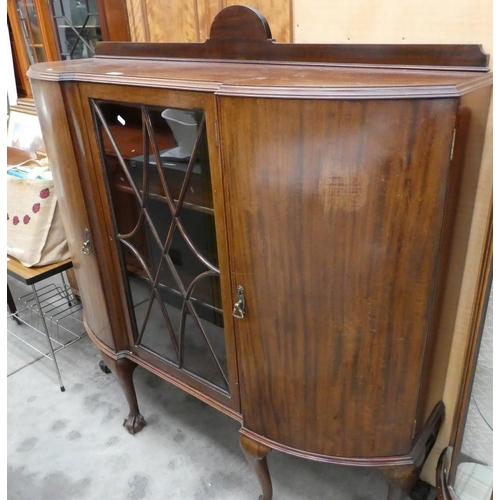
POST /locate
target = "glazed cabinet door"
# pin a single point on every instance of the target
(55, 106)
(335, 222)
(156, 170)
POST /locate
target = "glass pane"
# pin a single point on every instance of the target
(40, 53)
(473, 475)
(158, 174)
(78, 27)
(31, 31)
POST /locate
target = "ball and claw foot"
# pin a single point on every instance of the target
(134, 423)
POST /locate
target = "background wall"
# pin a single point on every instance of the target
(367, 21)
(179, 21)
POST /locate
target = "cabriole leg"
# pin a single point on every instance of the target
(256, 455)
(403, 478)
(124, 368)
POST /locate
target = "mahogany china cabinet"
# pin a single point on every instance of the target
(267, 226)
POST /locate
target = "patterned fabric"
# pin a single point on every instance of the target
(35, 234)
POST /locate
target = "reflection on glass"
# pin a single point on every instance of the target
(473, 478)
(31, 31)
(158, 174)
(78, 27)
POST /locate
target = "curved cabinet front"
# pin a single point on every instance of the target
(65, 148)
(335, 230)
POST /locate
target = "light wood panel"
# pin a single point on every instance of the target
(139, 27)
(458, 308)
(172, 21)
(426, 21)
(277, 12)
(393, 21)
(177, 21)
(31, 275)
(207, 10)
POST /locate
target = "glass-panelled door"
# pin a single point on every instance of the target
(78, 27)
(30, 28)
(156, 165)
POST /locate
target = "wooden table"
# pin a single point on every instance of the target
(16, 156)
(32, 275)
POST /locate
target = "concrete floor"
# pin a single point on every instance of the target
(72, 445)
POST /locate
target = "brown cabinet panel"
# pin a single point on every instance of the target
(61, 151)
(336, 220)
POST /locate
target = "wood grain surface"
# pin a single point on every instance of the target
(61, 151)
(138, 23)
(155, 20)
(172, 21)
(277, 12)
(206, 12)
(391, 21)
(31, 275)
(114, 20)
(16, 156)
(474, 202)
(251, 78)
(335, 238)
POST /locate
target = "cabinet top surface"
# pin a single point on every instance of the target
(241, 58)
(264, 78)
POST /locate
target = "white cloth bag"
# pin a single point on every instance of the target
(35, 234)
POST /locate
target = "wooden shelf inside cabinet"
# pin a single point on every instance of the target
(130, 143)
(160, 197)
(79, 26)
(197, 198)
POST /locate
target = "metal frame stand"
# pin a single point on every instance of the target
(48, 337)
(50, 303)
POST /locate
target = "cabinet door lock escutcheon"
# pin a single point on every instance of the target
(87, 244)
(239, 307)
